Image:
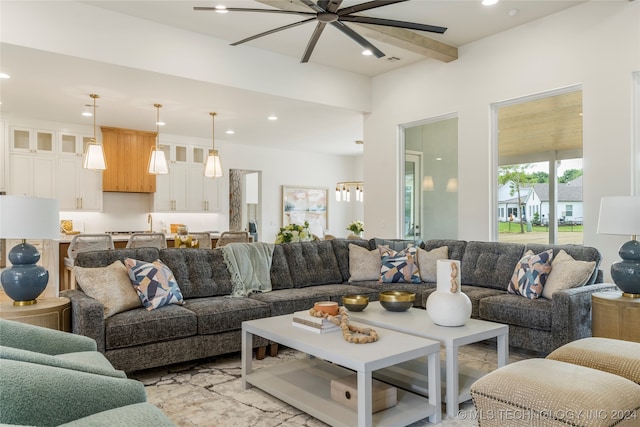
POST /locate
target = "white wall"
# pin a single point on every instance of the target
(596, 44)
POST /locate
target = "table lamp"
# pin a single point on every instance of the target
(24, 218)
(621, 215)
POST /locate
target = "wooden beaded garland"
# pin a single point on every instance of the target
(342, 320)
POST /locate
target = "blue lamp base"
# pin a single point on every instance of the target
(24, 281)
(626, 273)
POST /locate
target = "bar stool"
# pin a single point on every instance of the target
(82, 243)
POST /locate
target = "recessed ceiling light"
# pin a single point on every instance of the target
(438, 158)
(489, 2)
(230, 132)
(367, 52)
(4, 76)
(87, 113)
(221, 9)
(273, 117)
(160, 123)
(513, 12)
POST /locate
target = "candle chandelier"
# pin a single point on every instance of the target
(344, 189)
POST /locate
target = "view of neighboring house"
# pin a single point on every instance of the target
(535, 199)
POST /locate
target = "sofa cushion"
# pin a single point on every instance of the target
(530, 274)
(221, 314)
(490, 264)
(399, 266)
(578, 252)
(109, 285)
(154, 282)
(139, 326)
(199, 272)
(395, 244)
(312, 263)
(567, 273)
(341, 252)
(280, 276)
(363, 264)
(428, 262)
(105, 258)
(515, 310)
(455, 247)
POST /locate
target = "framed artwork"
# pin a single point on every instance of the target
(300, 204)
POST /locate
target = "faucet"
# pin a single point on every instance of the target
(150, 222)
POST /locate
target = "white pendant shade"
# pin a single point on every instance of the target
(94, 157)
(213, 167)
(158, 162)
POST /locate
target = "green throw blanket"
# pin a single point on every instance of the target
(250, 267)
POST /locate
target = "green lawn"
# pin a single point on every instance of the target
(514, 227)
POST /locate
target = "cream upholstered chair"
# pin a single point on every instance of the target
(233, 237)
(204, 239)
(82, 243)
(147, 240)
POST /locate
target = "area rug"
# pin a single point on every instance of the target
(209, 393)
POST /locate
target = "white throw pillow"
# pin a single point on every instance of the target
(428, 260)
(110, 286)
(567, 273)
(363, 264)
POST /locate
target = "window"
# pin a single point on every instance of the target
(539, 168)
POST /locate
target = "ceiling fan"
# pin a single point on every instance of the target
(329, 12)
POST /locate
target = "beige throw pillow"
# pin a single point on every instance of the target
(110, 286)
(427, 262)
(363, 264)
(567, 273)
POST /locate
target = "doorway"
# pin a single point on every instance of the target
(245, 196)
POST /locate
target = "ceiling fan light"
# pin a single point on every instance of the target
(221, 9)
(367, 52)
(213, 167)
(489, 2)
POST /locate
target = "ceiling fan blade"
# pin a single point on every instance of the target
(275, 30)
(312, 5)
(239, 9)
(330, 6)
(367, 6)
(313, 41)
(358, 38)
(393, 23)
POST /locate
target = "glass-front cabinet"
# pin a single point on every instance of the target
(27, 140)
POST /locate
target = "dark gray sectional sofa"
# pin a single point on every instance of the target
(209, 323)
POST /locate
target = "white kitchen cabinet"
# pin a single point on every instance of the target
(171, 190)
(25, 140)
(72, 144)
(32, 175)
(79, 189)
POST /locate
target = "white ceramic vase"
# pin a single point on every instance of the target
(447, 308)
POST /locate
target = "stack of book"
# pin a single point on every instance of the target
(319, 325)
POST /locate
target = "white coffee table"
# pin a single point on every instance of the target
(416, 321)
(306, 383)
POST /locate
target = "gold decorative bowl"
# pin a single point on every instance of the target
(397, 300)
(355, 302)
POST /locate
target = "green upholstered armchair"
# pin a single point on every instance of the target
(34, 344)
(41, 395)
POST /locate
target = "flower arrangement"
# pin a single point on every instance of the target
(294, 233)
(356, 227)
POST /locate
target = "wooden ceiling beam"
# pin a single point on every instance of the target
(398, 37)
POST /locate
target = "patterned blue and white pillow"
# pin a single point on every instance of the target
(154, 283)
(530, 274)
(399, 266)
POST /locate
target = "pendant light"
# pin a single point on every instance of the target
(213, 168)
(94, 152)
(157, 160)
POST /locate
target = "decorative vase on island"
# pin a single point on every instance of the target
(448, 306)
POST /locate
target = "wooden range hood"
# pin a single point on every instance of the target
(127, 154)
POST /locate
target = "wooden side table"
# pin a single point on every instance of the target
(615, 316)
(53, 313)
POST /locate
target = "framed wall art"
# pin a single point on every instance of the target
(300, 204)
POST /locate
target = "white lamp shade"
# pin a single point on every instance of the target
(619, 215)
(213, 167)
(24, 217)
(94, 157)
(158, 162)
